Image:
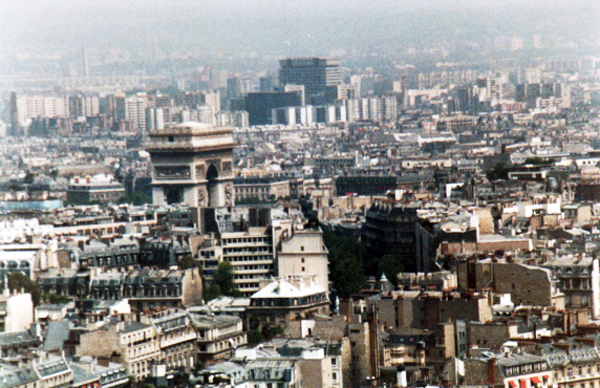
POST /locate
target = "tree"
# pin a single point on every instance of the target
(348, 264)
(54, 173)
(210, 291)
(351, 278)
(268, 332)
(225, 279)
(222, 283)
(537, 161)
(136, 198)
(255, 337)
(181, 379)
(29, 177)
(17, 282)
(499, 171)
(56, 299)
(392, 265)
(187, 262)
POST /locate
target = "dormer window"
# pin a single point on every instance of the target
(569, 271)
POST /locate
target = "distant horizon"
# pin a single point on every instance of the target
(272, 27)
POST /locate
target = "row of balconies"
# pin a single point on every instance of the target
(165, 342)
(595, 376)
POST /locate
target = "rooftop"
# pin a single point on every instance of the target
(283, 289)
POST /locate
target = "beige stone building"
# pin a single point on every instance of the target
(177, 339)
(304, 254)
(261, 188)
(526, 284)
(491, 335)
(47, 371)
(282, 301)
(320, 362)
(148, 287)
(135, 345)
(218, 336)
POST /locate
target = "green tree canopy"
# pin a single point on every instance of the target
(225, 279)
(17, 282)
(351, 278)
(56, 299)
(255, 337)
(392, 265)
(210, 291)
(499, 171)
(348, 263)
(136, 198)
(222, 283)
(188, 262)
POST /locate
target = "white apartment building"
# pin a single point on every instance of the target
(250, 253)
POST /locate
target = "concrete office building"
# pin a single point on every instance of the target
(250, 253)
(316, 74)
(260, 106)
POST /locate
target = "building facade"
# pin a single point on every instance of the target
(304, 254)
(251, 255)
(316, 74)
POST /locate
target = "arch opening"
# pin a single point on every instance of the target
(212, 176)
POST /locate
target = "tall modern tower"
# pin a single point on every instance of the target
(14, 114)
(192, 163)
(316, 74)
(85, 64)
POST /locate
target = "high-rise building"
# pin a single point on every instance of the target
(380, 109)
(15, 125)
(316, 74)
(135, 110)
(83, 106)
(238, 87)
(260, 105)
(85, 63)
(465, 100)
(544, 94)
(537, 42)
(267, 84)
(25, 108)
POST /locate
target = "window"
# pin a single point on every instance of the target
(334, 376)
(302, 249)
(333, 361)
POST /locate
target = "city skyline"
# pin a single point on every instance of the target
(271, 28)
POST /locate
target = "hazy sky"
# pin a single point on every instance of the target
(279, 26)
